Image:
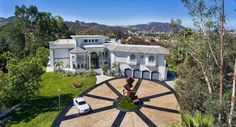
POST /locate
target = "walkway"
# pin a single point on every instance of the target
(160, 107)
(101, 78)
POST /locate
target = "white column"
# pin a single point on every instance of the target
(71, 61)
(89, 61)
(141, 74)
(150, 75)
(52, 57)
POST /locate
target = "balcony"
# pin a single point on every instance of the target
(132, 62)
(151, 64)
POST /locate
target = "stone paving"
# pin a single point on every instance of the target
(160, 107)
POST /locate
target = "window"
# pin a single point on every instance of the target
(132, 57)
(85, 40)
(105, 53)
(92, 40)
(96, 40)
(73, 65)
(151, 59)
(89, 40)
(82, 102)
(73, 57)
(80, 57)
(82, 66)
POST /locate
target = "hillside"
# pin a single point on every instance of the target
(4, 21)
(85, 28)
(154, 27)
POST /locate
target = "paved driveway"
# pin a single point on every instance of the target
(160, 107)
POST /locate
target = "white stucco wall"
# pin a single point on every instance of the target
(51, 58)
(121, 57)
(61, 53)
(63, 56)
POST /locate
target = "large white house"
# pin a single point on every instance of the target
(83, 51)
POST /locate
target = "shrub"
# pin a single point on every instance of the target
(105, 68)
(89, 73)
(77, 84)
(196, 120)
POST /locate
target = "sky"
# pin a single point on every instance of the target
(115, 12)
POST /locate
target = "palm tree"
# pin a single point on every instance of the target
(116, 67)
(58, 65)
(105, 69)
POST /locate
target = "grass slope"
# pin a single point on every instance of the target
(42, 110)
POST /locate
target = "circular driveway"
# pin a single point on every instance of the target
(160, 107)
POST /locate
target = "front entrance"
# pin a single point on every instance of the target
(94, 59)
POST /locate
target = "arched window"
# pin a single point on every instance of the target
(151, 59)
(132, 57)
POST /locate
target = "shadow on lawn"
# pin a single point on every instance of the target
(37, 106)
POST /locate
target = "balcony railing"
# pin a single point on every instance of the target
(151, 64)
(132, 62)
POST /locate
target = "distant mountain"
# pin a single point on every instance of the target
(154, 27)
(81, 27)
(4, 21)
(149, 27)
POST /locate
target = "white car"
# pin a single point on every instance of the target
(81, 105)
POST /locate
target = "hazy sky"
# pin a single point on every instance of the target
(115, 12)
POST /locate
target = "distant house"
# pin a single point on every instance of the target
(83, 51)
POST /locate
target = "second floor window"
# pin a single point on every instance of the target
(80, 57)
(85, 40)
(105, 53)
(151, 59)
(132, 57)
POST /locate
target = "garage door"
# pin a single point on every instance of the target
(128, 72)
(146, 75)
(155, 75)
(137, 73)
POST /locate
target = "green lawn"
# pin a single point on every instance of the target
(42, 110)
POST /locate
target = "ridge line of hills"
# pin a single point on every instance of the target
(79, 26)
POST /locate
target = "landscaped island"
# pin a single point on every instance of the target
(126, 103)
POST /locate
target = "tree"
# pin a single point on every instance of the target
(4, 59)
(233, 96)
(116, 67)
(3, 45)
(221, 52)
(25, 19)
(14, 38)
(23, 79)
(39, 27)
(42, 54)
(175, 24)
(204, 54)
